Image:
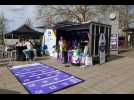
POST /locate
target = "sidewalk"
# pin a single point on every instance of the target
(116, 76)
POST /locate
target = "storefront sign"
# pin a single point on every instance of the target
(102, 47)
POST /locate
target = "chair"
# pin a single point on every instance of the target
(2, 51)
(11, 54)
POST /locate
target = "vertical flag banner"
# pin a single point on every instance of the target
(102, 47)
(49, 39)
(114, 43)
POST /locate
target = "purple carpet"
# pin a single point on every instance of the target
(43, 79)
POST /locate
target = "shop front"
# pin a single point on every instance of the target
(88, 43)
(131, 43)
(130, 37)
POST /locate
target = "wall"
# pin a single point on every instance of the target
(10, 41)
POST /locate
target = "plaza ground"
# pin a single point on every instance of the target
(116, 76)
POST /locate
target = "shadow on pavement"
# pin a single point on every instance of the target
(123, 51)
(6, 91)
(42, 58)
(115, 57)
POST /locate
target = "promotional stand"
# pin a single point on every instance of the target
(114, 44)
(96, 36)
(49, 42)
(102, 49)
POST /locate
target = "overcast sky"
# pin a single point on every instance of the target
(17, 14)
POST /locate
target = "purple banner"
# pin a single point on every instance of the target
(43, 79)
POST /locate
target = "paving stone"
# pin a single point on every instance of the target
(116, 76)
(71, 90)
(121, 89)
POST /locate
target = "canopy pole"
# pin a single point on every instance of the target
(12, 36)
(94, 39)
(90, 33)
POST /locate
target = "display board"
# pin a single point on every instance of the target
(102, 48)
(114, 43)
(49, 39)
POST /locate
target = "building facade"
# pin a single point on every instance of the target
(121, 21)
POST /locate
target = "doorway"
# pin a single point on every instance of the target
(132, 40)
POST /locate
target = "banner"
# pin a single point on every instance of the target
(102, 47)
(49, 39)
(114, 42)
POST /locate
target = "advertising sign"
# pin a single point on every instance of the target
(102, 47)
(49, 39)
(114, 41)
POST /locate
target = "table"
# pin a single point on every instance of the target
(20, 56)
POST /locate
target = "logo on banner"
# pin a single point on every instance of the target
(49, 39)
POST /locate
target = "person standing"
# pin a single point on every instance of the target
(60, 53)
(62, 50)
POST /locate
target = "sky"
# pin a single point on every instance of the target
(16, 15)
(131, 11)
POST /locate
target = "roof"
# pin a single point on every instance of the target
(43, 26)
(24, 29)
(68, 26)
(64, 24)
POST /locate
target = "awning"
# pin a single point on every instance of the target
(128, 29)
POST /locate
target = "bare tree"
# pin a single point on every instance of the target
(79, 13)
(2, 28)
(83, 13)
(28, 22)
(122, 10)
(123, 16)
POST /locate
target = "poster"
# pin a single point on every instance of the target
(102, 47)
(114, 42)
(49, 39)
